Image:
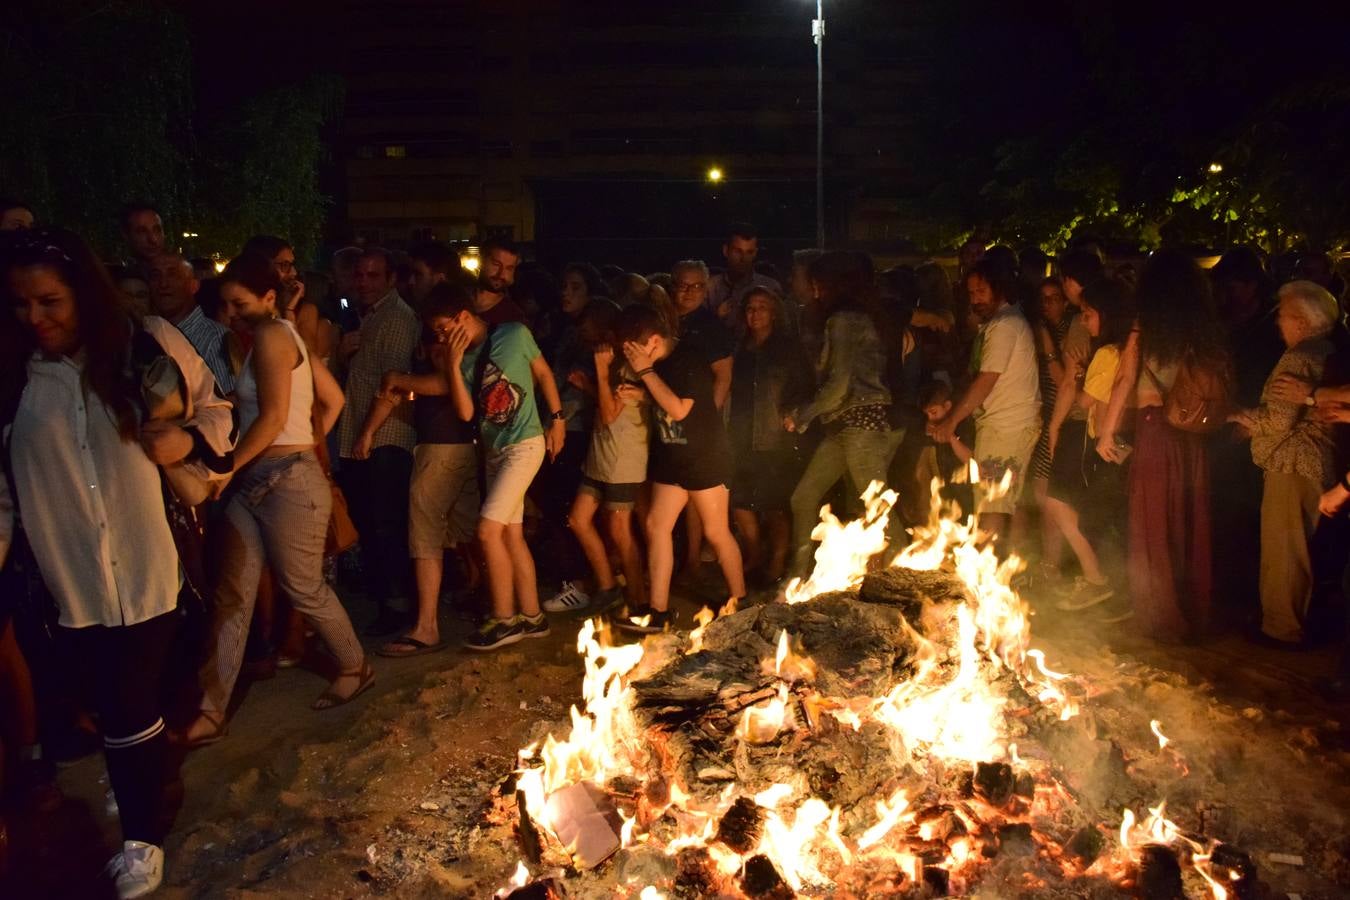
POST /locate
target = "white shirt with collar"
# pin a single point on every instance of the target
(91, 503)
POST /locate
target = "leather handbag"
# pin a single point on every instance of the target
(342, 534)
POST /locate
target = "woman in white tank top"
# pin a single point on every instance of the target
(280, 501)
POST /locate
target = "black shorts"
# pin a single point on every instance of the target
(1074, 464)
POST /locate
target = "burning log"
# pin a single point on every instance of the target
(1015, 840)
(531, 842)
(543, 889)
(739, 829)
(910, 589)
(1159, 873)
(697, 875)
(1235, 870)
(1086, 845)
(937, 880)
(761, 880)
(994, 783)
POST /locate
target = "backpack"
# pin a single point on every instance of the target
(1201, 397)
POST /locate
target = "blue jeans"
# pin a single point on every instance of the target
(278, 514)
(862, 454)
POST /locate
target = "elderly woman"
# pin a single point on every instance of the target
(1297, 454)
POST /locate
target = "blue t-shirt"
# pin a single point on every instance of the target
(505, 400)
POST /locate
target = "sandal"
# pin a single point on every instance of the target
(407, 645)
(219, 729)
(330, 699)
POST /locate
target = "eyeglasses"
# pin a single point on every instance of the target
(685, 287)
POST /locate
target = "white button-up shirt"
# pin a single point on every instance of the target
(91, 503)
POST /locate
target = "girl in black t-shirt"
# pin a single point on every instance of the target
(690, 459)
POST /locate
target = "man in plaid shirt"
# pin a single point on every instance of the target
(377, 487)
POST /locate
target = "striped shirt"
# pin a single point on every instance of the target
(208, 337)
(389, 334)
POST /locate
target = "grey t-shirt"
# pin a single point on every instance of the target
(1076, 353)
(618, 452)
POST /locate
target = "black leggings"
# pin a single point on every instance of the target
(124, 665)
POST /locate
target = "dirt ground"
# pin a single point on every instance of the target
(386, 797)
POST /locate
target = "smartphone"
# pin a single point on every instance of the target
(1123, 448)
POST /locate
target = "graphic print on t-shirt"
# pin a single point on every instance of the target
(669, 431)
(499, 398)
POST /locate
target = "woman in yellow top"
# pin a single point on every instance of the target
(1078, 476)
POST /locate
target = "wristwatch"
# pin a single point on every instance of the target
(558, 415)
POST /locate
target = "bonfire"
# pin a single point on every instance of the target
(885, 729)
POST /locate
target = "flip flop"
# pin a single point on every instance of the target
(415, 647)
(330, 699)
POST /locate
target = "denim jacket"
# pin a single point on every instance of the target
(781, 378)
(852, 369)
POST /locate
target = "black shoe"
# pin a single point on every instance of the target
(387, 622)
(643, 620)
(536, 627)
(496, 633)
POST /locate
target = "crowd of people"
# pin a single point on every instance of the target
(195, 459)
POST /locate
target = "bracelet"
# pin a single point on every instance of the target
(643, 373)
(558, 416)
(1311, 399)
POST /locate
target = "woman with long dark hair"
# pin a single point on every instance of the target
(83, 456)
(280, 501)
(1169, 543)
(853, 401)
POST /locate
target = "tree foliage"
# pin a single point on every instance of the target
(98, 106)
(1104, 120)
(261, 172)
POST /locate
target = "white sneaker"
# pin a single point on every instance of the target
(569, 599)
(137, 870)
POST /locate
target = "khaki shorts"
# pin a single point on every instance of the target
(999, 451)
(442, 498)
(509, 473)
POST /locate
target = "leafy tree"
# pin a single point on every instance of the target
(260, 171)
(96, 104)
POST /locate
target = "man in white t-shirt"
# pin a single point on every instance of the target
(1004, 398)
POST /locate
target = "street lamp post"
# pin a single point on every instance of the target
(818, 34)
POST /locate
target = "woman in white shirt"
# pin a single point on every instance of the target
(280, 501)
(84, 464)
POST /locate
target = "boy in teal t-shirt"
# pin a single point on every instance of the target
(498, 392)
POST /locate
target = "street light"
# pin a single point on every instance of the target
(818, 35)
(714, 174)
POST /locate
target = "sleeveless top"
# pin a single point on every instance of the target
(299, 429)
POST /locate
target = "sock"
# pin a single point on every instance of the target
(136, 772)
